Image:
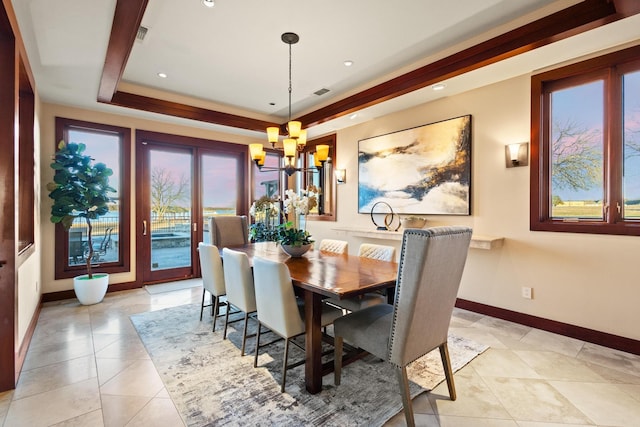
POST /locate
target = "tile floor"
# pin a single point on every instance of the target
(87, 367)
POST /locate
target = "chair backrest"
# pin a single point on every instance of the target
(275, 300)
(238, 280)
(212, 270)
(429, 274)
(335, 246)
(225, 231)
(381, 252)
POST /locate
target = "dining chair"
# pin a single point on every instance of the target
(240, 290)
(228, 230)
(372, 251)
(431, 265)
(279, 310)
(212, 279)
(334, 246)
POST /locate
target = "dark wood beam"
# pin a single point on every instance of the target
(567, 22)
(185, 111)
(576, 19)
(126, 21)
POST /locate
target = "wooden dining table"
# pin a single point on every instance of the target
(319, 275)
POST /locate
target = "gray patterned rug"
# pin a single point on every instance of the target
(211, 384)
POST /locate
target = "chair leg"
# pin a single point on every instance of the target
(202, 304)
(226, 321)
(337, 360)
(403, 380)
(244, 333)
(255, 359)
(284, 364)
(446, 364)
(216, 307)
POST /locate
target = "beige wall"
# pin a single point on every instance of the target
(584, 280)
(580, 279)
(29, 273)
(48, 143)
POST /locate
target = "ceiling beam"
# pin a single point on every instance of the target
(576, 19)
(185, 111)
(126, 21)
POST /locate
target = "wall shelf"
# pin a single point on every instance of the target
(477, 241)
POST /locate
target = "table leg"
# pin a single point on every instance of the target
(313, 341)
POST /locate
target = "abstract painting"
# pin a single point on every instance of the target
(422, 170)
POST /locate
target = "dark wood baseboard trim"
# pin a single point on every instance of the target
(60, 295)
(596, 337)
(21, 354)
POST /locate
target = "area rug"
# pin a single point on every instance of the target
(172, 286)
(212, 385)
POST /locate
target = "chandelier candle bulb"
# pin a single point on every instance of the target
(289, 147)
(273, 133)
(323, 152)
(256, 151)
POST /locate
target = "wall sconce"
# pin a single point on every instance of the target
(517, 154)
(341, 176)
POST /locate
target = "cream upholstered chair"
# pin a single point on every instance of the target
(228, 231)
(431, 265)
(367, 250)
(335, 246)
(212, 278)
(381, 252)
(240, 290)
(278, 308)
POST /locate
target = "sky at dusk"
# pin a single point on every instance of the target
(582, 105)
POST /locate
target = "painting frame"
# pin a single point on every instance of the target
(424, 170)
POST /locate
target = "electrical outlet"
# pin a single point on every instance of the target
(527, 292)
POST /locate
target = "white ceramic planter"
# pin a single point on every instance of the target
(91, 291)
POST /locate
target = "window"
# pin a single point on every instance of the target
(585, 130)
(110, 235)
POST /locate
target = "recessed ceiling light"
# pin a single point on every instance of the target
(348, 63)
(162, 75)
(438, 86)
(208, 3)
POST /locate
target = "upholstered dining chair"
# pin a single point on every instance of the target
(240, 290)
(212, 279)
(278, 308)
(373, 251)
(431, 265)
(228, 231)
(334, 246)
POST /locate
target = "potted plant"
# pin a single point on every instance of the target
(80, 189)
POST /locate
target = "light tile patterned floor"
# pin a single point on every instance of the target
(87, 367)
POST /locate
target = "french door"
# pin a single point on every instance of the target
(181, 184)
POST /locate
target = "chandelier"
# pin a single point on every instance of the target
(296, 138)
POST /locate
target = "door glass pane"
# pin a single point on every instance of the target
(220, 187)
(105, 148)
(631, 167)
(576, 148)
(170, 209)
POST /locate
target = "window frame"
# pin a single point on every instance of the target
(612, 66)
(62, 268)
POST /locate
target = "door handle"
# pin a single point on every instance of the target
(195, 226)
(144, 227)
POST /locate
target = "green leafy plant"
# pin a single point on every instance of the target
(289, 235)
(79, 189)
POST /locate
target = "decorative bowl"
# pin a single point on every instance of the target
(296, 251)
(413, 222)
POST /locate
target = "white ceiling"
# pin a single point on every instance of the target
(231, 58)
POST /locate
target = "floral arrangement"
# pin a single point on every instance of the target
(295, 205)
(266, 212)
(265, 209)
